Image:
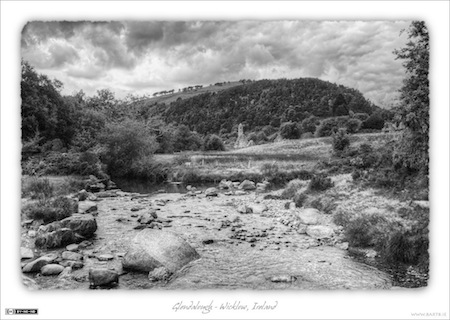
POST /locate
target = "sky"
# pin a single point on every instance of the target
(143, 57)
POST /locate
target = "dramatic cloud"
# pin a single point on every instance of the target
(147, 56)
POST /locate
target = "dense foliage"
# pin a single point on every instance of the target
(413, 111)
(261, 103)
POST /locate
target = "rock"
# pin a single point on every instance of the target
(87, 207)
(159, 274)
(72, 247)
(160, 202)
(240, 193)
(422, 203)
(72, 264)
(153, 248)
(342, 246)
(56, 239)
(83, 195)
(292, 206)
(111, 185)
(225, 184)
(258, 208)
(105, 257)
(136, 208)
(26, 253)
(69, 255)
(101, 277)
(36, 265)
(211, 192)
(319, 232)
(247, 185)
(283, 278)
(302, 229)
(208, 241)
(30, 283)
(244, 209)
(32, 233)
(370, 253)
(107, 194)
(96, 187)
(148, 217)
(51, 269)
(309, 216)
(82, 224)
(66, 274)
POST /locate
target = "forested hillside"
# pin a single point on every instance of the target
(265, 102)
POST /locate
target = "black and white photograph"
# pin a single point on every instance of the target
(221, 155)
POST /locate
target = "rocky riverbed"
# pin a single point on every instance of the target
(244, 239)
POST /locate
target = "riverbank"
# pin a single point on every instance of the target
(238, 250)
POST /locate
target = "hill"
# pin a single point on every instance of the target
(257, 104)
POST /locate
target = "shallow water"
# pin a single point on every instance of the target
(244, 254)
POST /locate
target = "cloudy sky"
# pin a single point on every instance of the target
(145, 57)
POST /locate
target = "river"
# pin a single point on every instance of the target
(238, 251)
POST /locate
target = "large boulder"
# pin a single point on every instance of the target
(320, 232)
(148, 217)
(257, 208)
(56, 239)
(153, 248)
(102, 277)
(83, 224)
(247, 185)
(225, 184)
(310, 216)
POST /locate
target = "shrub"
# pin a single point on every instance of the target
(252, 137)
(261, 137)
(213, 142)
(320, 182)
(353, 125)
(290, 130)
(375, 121)
(37, 188)
(270, 170)
(50, 211)
(309, 124)
(361, 116)
(291, 189)
(367, 230)
(326, 128)
(148, 169)
(299, 199)
(268, 130)
(340, 142)
(326, 205)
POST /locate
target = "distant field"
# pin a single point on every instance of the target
(168, 98)
(302, 150)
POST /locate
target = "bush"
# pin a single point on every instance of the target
(375, 121)
(125, 143)
(148, 169)
(361, 116)
(320, 182)
(37, 188)
(290, 130)
(340, 142)
(326, 128)
(299, 199)
(270, 170)
(50, 211)
(291, 189)
(309, 124)
(353, 125)
(325, 205)
(213, 142)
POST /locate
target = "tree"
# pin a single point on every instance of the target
(413, 112)
(290, 130)
(125, 144)
(44, 111)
